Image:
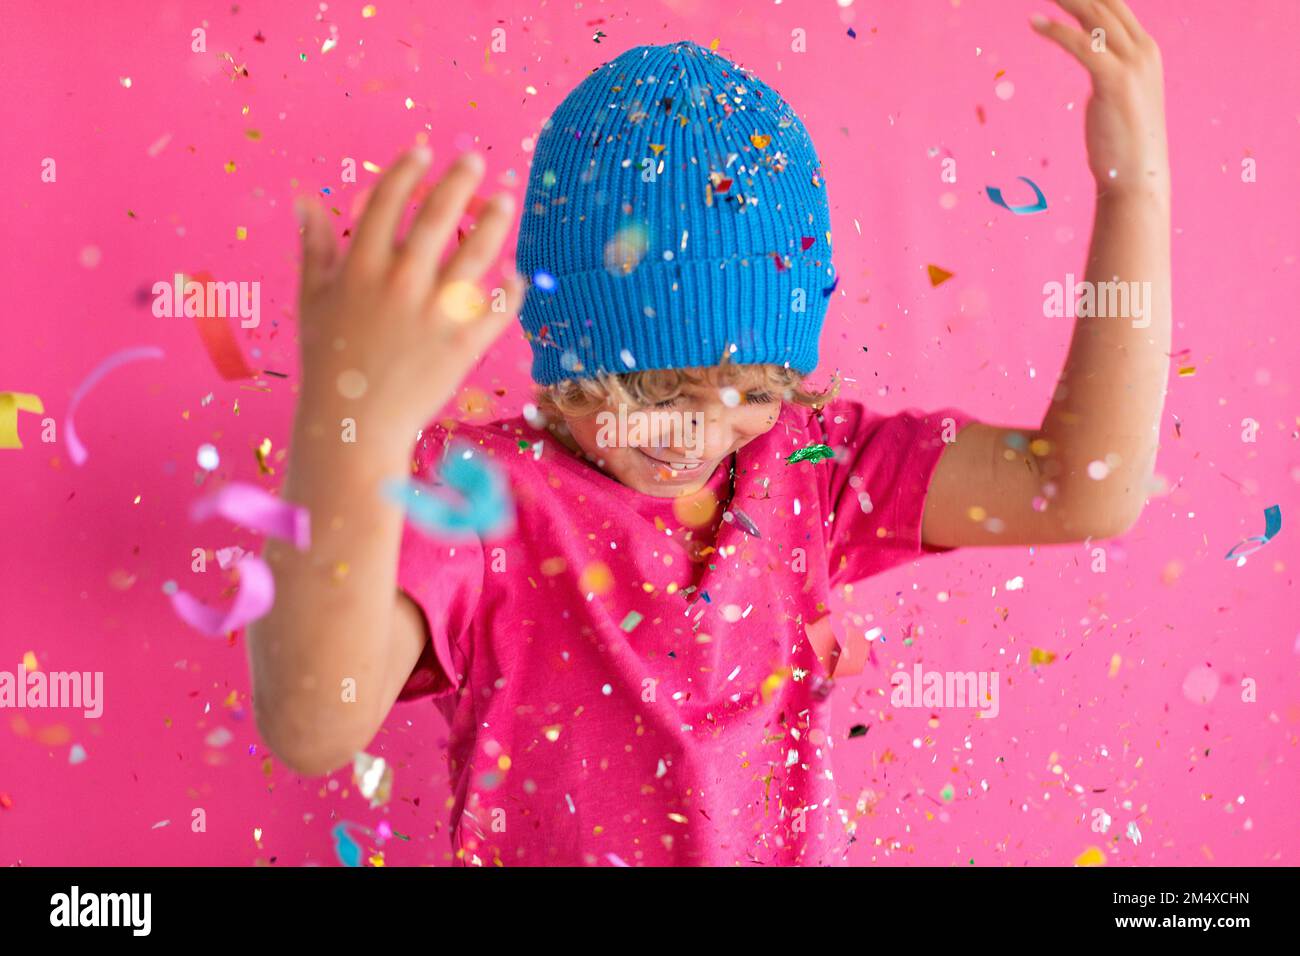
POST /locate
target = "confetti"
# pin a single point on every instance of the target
(346, 848)
(812, 453)
(1272, 525)
(373, 777)
(938, 276)
(631, 621)
(11, 403)
(259, 510)
(486, 508)
(76, 451)
(1040, 205)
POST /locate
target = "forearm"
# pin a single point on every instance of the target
(1108, 402)
(332, 618)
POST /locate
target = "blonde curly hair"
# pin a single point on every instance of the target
(575, 398)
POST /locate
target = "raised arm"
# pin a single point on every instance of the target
(1084, 471)
(387, 336)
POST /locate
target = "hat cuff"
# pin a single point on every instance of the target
(678, 315)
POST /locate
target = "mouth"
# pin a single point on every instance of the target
(667, 469)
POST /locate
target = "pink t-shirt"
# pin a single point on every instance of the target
(623, 689)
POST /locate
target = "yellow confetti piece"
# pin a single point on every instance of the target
(241, 232)
(1040, 447)
(976, 513)
(695, 510)
(1090, 857)
(253, 134)
(1187, 372)
(713, 44)
(1039, 656)
(368, 11)
(596, 578)
(11, 403)
(29, 661)
(658, 148)
(370, 167)
(760, 140)
(230, 166)
(1115, 662)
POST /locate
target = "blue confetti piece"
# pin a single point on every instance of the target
(544, 281)
(346, 848)
(484, 507)
(1272, 525)
(1040, 205)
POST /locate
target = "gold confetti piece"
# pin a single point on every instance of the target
(241, 232)
(1039, 656)
(370, 167)
(230, 166)
(713, 44)
(1115, 662)
(253, 134)
(760, 140)
(262, 451)
(976, 513)
(1040, 447)
(938, 276)
(658, 148)
(29, 661)
(368, 11)
(1090, 857)
(1187, 372)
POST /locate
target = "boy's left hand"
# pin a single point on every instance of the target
(1127, 148)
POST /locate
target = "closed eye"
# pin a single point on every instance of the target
(758, 398)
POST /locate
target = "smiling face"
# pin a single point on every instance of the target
(664, 433)
(672, 448)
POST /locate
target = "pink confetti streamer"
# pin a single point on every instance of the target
(255, 597)
(76, 450)
(254, 508)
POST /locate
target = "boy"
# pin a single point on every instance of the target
(637, 672)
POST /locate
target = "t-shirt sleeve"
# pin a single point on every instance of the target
(878, 481)
(445, 580)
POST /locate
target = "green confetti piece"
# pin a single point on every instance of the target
(813, 453)
(631, 621)
(947, 793)
(523, 444)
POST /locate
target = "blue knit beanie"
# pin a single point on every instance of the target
(675, 214)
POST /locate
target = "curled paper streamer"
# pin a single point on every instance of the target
(1272, 525)
(1040, 205)
(486, 508)
(373, 777)
(218, 339)
(11, 403)
(255, 597)
(253, 508)
(77, 451)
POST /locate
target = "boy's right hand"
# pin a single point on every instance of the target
(388, 330)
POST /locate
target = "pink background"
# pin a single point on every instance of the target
(83, 563)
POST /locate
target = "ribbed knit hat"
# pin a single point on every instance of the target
(675, 213)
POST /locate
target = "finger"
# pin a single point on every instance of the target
(1093, 14)
(478, 335)
(1073, 41)
(1120, 10)
(319, 247)
(377, 230)
(438, 217)
(483, 244)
